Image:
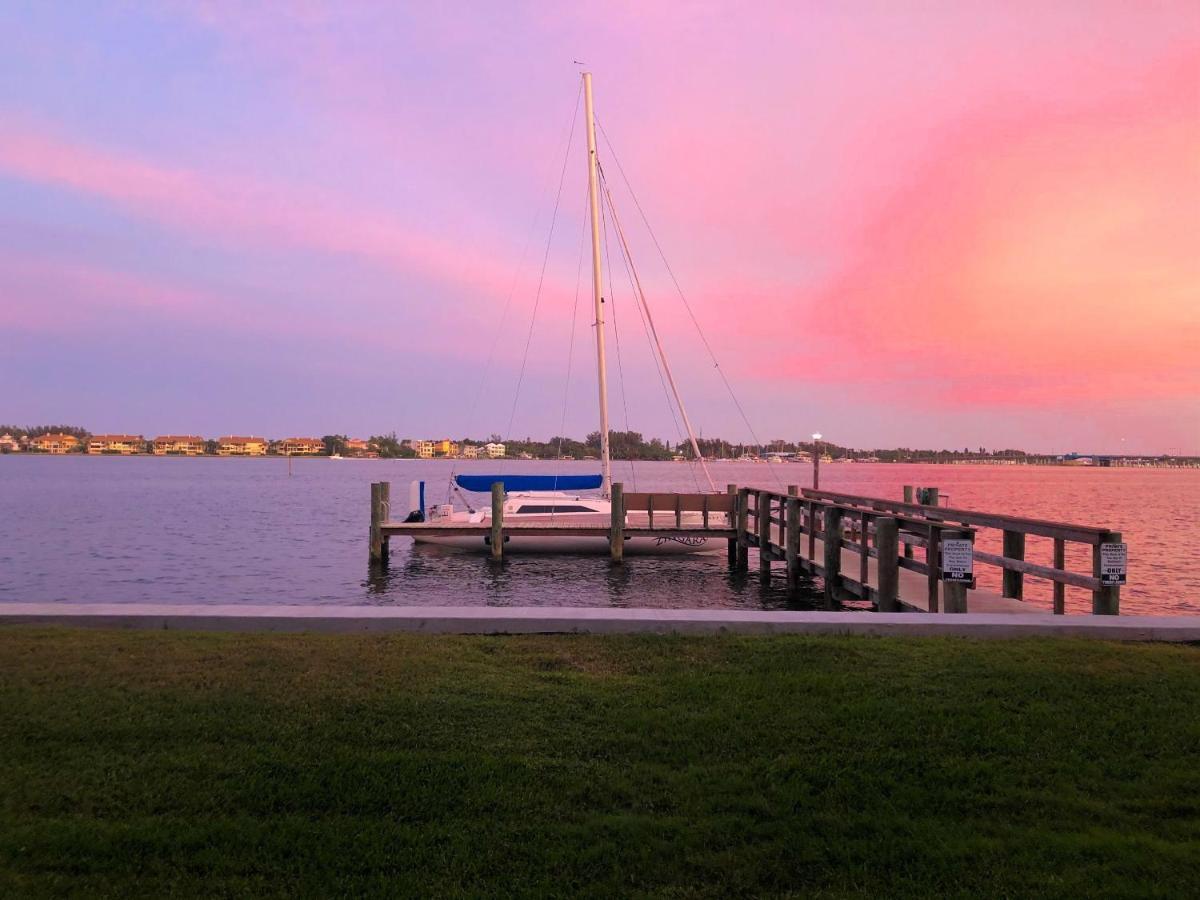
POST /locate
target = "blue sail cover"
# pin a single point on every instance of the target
(483, 483)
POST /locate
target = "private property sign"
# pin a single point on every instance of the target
(1114, 559)
(958, 561)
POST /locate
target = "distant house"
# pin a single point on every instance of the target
(360, 448)
(55, 443)
(234, 445)
(470, 451)
(178, 445)
(9, 444)
(425, 449)
(494, 451)
(300, 446)
(116, 444)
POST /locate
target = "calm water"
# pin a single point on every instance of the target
(147, 529)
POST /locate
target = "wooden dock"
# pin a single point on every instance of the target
(874, 559)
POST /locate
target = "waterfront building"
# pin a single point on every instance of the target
(235, 445)
(494, 451)
(55, 443)
(470, 451)
(116, 444)
(300, 446)
(425, 449)
(178, 445)
(9, 444)
(360, 448)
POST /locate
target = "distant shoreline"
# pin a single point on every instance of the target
(1185, 463)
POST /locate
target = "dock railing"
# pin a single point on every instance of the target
(1011, 561)
(788, 527)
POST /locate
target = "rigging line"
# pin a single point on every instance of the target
(650, 343)
(629, 274)
(545, 260)
(562, 422)
(612, 296)
(641, 295)
(686, 305)
(627, 265)
(512, 289)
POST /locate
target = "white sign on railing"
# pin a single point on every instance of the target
(958, 561)
(1114, 559)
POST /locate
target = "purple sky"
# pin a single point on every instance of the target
(921, 224)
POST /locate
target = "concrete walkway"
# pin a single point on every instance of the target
(589, 620)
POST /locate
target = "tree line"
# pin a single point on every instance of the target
(626, 445)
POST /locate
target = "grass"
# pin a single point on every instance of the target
(155, 764)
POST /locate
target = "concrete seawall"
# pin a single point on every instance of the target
(590, 620)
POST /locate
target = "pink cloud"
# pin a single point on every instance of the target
(1034, 259)
(232, 210)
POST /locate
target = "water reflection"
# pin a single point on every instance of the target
(425, 574)
(175, 530)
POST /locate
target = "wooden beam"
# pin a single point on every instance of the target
(1084, 534)
(792, 546)
(932, 550)
(732, 549)
(864, 541)
(1058, 576)
(1060, 589)
(887, 534)
(1106, 601)
(743, 517)
(1013, 579)
(616, 534)
(498, 520)
(762, 512)
(375, 536)
(833, 555)
(908, 498)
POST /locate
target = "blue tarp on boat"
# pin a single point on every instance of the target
(483, 483)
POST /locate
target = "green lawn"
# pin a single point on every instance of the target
(156, 763)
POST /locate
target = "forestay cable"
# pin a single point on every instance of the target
(679, 289)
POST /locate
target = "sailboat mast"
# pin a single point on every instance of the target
(597, 284)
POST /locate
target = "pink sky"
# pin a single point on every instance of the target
(901, 224)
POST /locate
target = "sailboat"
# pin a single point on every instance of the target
(558, 498)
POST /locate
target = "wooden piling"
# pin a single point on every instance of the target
(733, 544)
(616, 534)
(908, 498)
(1060, 589)
(932, 561)
(864, 538)
(792, 542)
(375, 539)
(887, 537)
(1106, 601)
(833, 555)
(385, 513)
(498, 520)
(954, 593)
(763, 521)
(812, 529)
(1013, 582)
(743, 519)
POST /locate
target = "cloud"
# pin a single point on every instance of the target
(254, 213)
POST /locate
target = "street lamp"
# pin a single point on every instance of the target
(816, 460)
